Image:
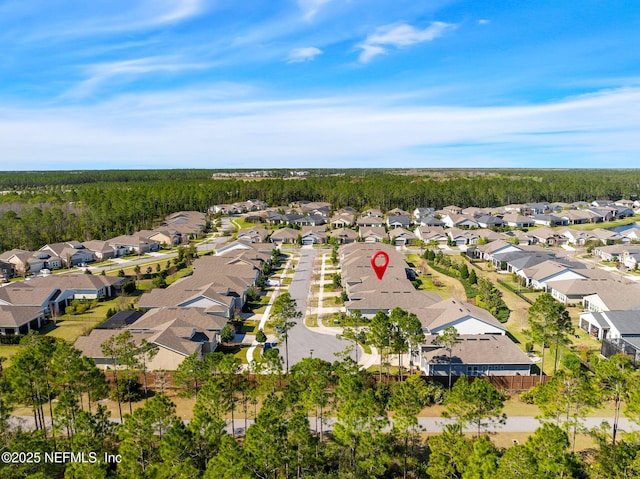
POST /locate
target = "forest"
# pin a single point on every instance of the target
(319, 420)
(44, 207)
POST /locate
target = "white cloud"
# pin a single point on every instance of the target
(399, 35)
(298, 55)
(101, 73)
(483, 21)
(210, 128)
(311, 7)
(370, 51)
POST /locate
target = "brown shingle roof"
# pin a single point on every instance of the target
(477, 349)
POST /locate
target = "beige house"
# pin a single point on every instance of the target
(177, 333)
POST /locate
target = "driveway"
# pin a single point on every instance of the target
(304, 342)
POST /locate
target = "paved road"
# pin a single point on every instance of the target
(302, 340)
(429, 424)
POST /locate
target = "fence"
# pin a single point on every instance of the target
(164, 380)
(515, 291)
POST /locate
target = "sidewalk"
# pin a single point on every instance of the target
(265, 315)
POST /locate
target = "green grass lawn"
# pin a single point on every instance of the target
(8, 351)
(607, 225)
(249, 326)
(71, 329)
(243, 223)
(428, 285)
(238, 350)
(311, 320)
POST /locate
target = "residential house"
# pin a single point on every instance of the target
(369, 294)
(578, 237)
(342, 220)
(53, 293)
(451, 209)
(476, 211)
(465, 317)
(632, 234)
(20, 319)
(7, 270)
(420, 213)
(316, 208)
(601, 214)
(518, 237)
(398, 212)
(344, 235)
(284, 236)
(538, 208)
(620, 212)
(177, 333)
(608, 237)
(611, 324)
(370, 222)
(313, 235)
(577, 217)
(130, 244)
(430, 221)
(549, 220)
(23, 261)
(258, 251)
(517, 208)
(487, 221)
(165, 237)
(101, 250)
(631, 260)
(517, 221)
(311, 220)
(517, 262)
(460, 237)
(23, 294)
(398, 221)
(256, 234)
(373, 235)
(218, 286)
(402, 237)
(71, 253)
(616, 251)
(487, 251)
(578, 205)
(538, 276)
(372, 212)
(613, 296)
(475, 355)
(459, 221)
(547, 236)
(431, 235)
(573, 291)
(189, 223)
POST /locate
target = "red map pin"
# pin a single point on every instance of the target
(379, 268)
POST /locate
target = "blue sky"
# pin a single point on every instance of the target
(319, 83)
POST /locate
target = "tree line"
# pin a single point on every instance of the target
(42, 207)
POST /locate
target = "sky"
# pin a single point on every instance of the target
(234, 84)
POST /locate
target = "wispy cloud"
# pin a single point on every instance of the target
(483, 21)
(311, 7)
(298, 55)
(399, 35)
(200, 125)
(100, 74)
